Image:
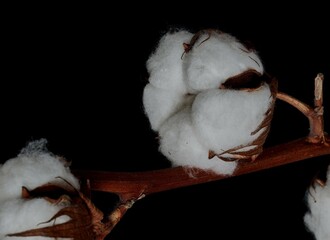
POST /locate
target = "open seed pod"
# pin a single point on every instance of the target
(234, 96)
(250, 81)
(85, 220)
(218, 106)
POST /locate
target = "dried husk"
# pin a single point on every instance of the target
(85, 219)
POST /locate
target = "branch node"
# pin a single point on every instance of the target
(314, 115)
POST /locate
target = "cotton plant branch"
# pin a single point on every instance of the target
(314, 115)
(135, 185)
(132, 186)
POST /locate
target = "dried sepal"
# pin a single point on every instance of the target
(252, 150)
(188, 46)
(85, 218)
(52, 190)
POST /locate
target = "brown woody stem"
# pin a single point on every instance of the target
(131, 186)
(116, 216)
(315, 116)
(135, 183)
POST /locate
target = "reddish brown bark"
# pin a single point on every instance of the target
(132, 184)
(314, 115)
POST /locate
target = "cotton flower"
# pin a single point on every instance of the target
(317, 219)
(204, 98)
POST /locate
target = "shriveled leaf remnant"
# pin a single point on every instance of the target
(85, 218)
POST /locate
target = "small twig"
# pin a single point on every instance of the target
(318, 93)
(302, 107)
(117, 215)
(314, 115)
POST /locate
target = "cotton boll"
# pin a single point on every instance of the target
(165, 64)
(224, 119)
(211, 61)
(190, 117)
(19, 215)
(160, 104)
(179, 143)
(33, 167)
(317, 220)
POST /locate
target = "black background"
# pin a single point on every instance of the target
(75, 75)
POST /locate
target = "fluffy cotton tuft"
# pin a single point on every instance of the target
(188, 110)
(160, 104)
(33, 167)
(212, 62)
(180, 144)
(19, 215)
(317, 220)
(166, 92)
(165, 64)
(224, 119)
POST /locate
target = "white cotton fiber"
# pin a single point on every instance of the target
(317, 220)
(224, 119)
(222, 56)
(165, 64)
(33, 167)
(19, 215)
(188, 110)
(166, 92)
(160, 104)
(179, 143)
